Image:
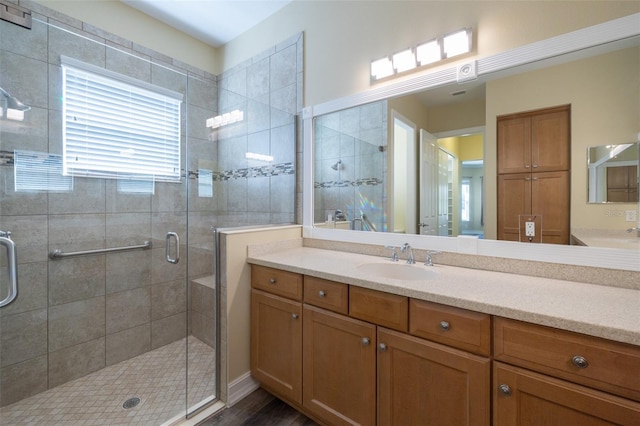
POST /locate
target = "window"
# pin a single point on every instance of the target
(118, 127)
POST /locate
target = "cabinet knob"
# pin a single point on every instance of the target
(321, 293)
(580, 361)
(294, 316)
(526, 166)
(505, 389)
(272, 280)
(382, 347)
(445, 325)
(365, 341)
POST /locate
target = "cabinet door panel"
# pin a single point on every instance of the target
(425, 383)
(339, 368)
(514, 199)
(550, 198)
(276, 344)
(550, 136)
(535, 399)
(514, 145)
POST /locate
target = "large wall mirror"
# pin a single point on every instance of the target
(423, 161)
(613, 173)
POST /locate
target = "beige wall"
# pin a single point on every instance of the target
(603, 93)
(342, 37)
(118, 18)
(238, 291)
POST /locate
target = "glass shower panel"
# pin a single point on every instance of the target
(110, 325)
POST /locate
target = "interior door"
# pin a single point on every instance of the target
(429, 179)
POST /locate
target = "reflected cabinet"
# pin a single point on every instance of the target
(533, 174)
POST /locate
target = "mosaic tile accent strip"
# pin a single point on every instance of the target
(348, 183)
(254, 172)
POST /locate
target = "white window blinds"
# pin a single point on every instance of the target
(117, 127)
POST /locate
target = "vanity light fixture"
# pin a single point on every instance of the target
(381, 68)
(439, 49)
(404, 61)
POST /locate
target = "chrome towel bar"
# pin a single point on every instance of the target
(59, 254)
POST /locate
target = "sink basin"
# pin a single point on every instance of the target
(398, 271)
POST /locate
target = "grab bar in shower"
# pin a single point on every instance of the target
(59, 254)
(12, 263)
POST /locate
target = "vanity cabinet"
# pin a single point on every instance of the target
(533, 173)
(560, 377)
(359, 364)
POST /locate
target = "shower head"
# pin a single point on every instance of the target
(15, 108)
(337, 165)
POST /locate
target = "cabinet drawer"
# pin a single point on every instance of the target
(282, 283)
(326, 294)
(389, 310)
(599, 363)
(459, 328)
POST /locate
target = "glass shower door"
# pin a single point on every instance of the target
(100, 326)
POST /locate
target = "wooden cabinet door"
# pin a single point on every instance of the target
(339, 368)
(514, 199)
(550, 140)
(522, 397)
(514, 144)
(550, 198)
(276, 344)
(425, 383)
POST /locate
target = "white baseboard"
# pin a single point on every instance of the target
(241, 387)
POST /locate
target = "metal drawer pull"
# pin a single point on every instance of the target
(580, 361)
(382, 347)
(294, 316)
(167, 247)
(365, 341)
(272, 280)
(321, 293)
(445, 325)
(505, 389)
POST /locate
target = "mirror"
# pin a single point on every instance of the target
(613, 173)
(356, 158)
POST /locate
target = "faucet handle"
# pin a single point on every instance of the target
(394, 253)
(429, 260)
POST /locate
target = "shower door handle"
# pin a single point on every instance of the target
(167, 247)
(12, 264)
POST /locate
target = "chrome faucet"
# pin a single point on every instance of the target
(630, 230)
(407, 248)
(429, 260)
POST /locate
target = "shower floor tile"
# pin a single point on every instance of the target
(156, 377)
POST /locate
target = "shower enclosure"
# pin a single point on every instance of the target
(115, 314)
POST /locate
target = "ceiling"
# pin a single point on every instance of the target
(215, 22)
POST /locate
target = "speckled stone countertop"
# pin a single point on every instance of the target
(601, 311)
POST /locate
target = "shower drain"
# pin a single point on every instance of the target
(130, 403)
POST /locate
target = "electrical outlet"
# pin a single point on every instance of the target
(631, 215)
(530, 229)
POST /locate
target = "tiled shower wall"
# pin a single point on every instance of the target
(357, 137)
(78, 315)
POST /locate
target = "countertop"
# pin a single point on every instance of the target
(608, 238)
(601, 311)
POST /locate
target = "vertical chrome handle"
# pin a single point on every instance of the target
(12, 263)
(167, 247)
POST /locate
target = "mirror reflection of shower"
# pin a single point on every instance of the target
(337, 165)
(11, 107)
